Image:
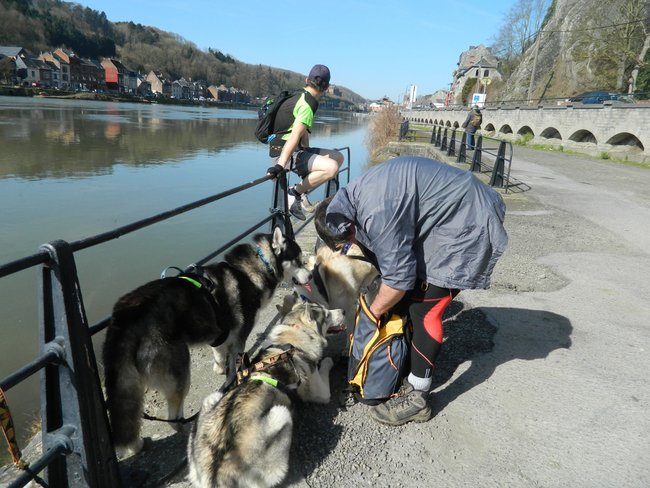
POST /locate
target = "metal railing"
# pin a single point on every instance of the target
(77, 445)
(445, 138)
(403, 129)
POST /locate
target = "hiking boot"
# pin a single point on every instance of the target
(295, 205)
(306, 205)
(405, 406)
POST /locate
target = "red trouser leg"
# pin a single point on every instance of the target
(425, 309)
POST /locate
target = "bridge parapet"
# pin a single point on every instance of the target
(620, 130)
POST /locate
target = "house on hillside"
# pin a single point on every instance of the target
(74, 64)
(159, 85)
(477, 63)
(64, 81)
(115, 76)
(32, 70)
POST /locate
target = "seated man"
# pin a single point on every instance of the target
(290, 146)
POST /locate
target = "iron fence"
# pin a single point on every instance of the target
(446, 139)
(77, 446)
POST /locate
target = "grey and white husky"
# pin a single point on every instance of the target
(242, 437)
(152, 327)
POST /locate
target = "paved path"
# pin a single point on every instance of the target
(543, 379)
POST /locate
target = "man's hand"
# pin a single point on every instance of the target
(386, 298)
(274, 171)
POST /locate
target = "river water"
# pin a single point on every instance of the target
(74, 169)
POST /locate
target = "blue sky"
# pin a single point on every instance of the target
(373, 47)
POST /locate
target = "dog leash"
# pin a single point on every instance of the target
(171, 421)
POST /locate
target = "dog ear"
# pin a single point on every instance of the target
(278, 237)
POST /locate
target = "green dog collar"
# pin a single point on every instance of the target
(266, 379)
(194, 282)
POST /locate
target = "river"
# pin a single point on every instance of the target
(71, 169)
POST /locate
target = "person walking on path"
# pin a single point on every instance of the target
(290, 146)
(471, 125)
(431, 230)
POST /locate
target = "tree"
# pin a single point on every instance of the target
(7, 69)
(616, 40)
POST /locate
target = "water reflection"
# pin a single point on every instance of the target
(73, 169)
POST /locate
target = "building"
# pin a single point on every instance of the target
(159, 85)
(74, 65)
(32, 70)
(117, 78)
(478, 63)
(64, 80)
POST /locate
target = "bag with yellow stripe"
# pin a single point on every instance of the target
(378, 355)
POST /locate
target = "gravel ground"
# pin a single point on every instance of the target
(542, 380)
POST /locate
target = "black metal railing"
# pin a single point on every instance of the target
(77, 447)
(403, 129)
(447, 139)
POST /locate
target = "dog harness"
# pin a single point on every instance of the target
(247, 371)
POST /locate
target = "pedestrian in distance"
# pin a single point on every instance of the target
(472, 124)
(431, 230)
(290, 147)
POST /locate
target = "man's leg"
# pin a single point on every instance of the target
(315, 166)
(322, 167)
(426, 306)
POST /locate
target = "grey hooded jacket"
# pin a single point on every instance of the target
(425, 219)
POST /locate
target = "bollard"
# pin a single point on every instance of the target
(497, 171)
(452, 144)
(476, 159)
(462, 151)
(443, 144)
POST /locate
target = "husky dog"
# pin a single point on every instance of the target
(151, 328)
(242, 437)
(337, 280)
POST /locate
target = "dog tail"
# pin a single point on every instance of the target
(124, 386)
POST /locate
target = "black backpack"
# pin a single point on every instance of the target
(267, 113)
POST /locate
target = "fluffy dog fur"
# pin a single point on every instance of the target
(342, 279)
(242, 438)
(152, 327)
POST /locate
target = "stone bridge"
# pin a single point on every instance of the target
(613, 130)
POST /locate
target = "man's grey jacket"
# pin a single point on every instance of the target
(425, 219)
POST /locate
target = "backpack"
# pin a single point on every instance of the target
(378, 356)
(476, 121)
(266, 116)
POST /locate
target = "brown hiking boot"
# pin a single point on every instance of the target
(407, 405)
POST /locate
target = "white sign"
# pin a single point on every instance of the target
(478, 100)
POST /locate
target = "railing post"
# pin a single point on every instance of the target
(332, 186)
(452, 144)
(497, 171)
(476, 159)
(71, 393)
(462, 151)
(443, 144)
(280, 206)
(433, 135)
(439, 136)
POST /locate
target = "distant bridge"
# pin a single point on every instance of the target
(618, 130)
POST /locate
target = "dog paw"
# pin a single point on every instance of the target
(326, 364)
(130, 450)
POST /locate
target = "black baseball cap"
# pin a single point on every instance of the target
(320, 75)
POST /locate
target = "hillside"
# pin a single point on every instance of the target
(582, 49)
(44, 25)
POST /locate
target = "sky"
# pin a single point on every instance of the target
(375, 48)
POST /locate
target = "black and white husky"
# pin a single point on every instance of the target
(242, 437)
(151, 328)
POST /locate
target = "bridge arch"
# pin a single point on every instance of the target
(456, 125)
(627, 139)
(583, 135)
(505, 129)
(525, 130)
(551, 133)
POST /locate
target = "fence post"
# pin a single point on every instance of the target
(332, 186)
(71, 393)
(452, 144)
(443, 144)
(476, 159)
(462, 151)
(497, 171)
(433, 135)
(280, 206)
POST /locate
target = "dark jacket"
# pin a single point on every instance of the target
(468, 126)
(425, 219)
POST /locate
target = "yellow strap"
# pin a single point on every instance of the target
(194, 282)
(10, 432)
